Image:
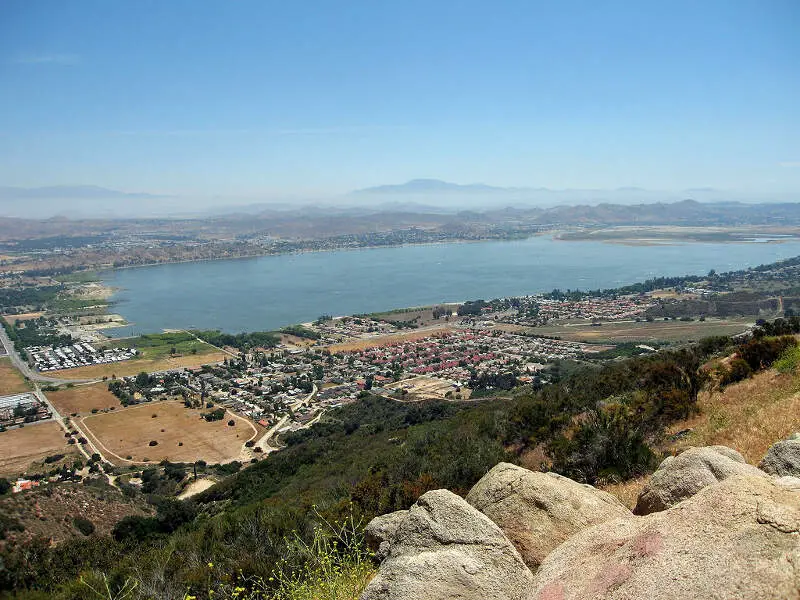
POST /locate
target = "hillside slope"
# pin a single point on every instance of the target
(748, 416)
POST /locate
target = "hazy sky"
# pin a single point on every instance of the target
(248, 97)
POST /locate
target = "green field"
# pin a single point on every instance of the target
(79, 277)
(162, 345)
(62, 305)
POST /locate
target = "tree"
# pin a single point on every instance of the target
(142, 380)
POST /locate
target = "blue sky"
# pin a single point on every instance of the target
(280, 98)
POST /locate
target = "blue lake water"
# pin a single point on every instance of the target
(272, 291)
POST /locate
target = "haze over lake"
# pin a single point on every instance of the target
(272, 291)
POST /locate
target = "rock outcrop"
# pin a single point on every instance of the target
(682, 476)
(444, 548)
(783, 458)
(539, 511)
(381, 531)
(787, 481)
(735, 539)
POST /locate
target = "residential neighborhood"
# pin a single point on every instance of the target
(297, 384)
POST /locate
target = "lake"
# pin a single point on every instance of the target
(269, 292)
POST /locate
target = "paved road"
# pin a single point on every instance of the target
(20, 364)
(264, 444)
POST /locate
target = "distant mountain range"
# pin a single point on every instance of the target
(421, 196)
(81, 201)
(476, 196)
(82, 192)
(437, 186)
(433, 186)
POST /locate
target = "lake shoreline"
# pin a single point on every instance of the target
(277, 290)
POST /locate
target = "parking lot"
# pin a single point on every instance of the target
(47, 358)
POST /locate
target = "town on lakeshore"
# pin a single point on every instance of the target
(243, 394)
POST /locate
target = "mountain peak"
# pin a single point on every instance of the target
(421, 186)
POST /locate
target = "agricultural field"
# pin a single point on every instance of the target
(655, 331)
(137, 365)
(11, 380)
(82, 399)
(19, 448)
(181, 434)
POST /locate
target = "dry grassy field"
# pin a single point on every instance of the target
(83, 398)
(182, 435)
(387, 339)
(21, 447)
(748, 416)
(11, 380)
(137, 365)
(670, 331)
(423, 316)
(294, 340)
(13, 319)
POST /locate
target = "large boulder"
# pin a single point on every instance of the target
(381, 531)
(783, 458)
(736, 539)
(682, 476)
(539, 511)
(444, 548)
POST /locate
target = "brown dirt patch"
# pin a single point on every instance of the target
(296, 340)
(428, 388)
(19, 448)
(387, 339)
(12, 319)
(423, 317)
(128, 432)
(11, 380)
(83, 398)
(137, 365)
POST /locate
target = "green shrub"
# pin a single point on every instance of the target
(608, 445)
(737, 370)
(760, 353)
(788, 361)
(85, 526)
